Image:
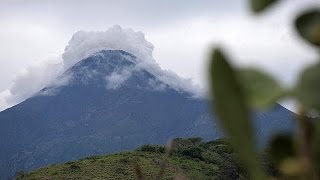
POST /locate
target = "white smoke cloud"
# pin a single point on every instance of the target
(82, 45)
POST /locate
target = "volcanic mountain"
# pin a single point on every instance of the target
(109, 104)
(108, 100)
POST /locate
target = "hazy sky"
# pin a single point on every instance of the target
(36, 31)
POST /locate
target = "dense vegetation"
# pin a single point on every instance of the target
(189, 159)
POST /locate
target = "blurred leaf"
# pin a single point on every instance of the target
(260, 5)
(231, 107)
(307, 90)
(260, 88)
(282, 147)
(293, 167)
(308, 26)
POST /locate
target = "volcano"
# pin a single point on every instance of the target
(110, 101)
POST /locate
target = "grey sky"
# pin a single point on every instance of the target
(35, 31)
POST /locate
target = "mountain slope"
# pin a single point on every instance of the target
(108, 102)
(190, 158)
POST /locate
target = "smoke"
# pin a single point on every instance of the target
(84, 44)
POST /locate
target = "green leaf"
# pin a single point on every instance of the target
(308, 26)
(282, 147)
(260, 5)
(307, 90)
(260, 88)
(231, 107)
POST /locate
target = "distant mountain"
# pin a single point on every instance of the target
(109, 102)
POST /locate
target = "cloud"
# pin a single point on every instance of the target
(116, 79)
(172, 79)
(3, 99)
(84, 44)
(30, 81)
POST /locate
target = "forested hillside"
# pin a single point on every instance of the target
(189, 159)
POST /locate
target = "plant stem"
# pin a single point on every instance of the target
(305, 140)
(165, 160)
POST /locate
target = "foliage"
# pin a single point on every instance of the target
(180, 142)
(203, 160)
(282, 147)
(236, 90)
(152, 148)
(308, 87)
(229, 97)
(260, 5)
(308, 25)
(260, 89)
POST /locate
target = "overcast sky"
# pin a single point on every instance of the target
(36, 31)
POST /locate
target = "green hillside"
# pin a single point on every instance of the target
(189, 159)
